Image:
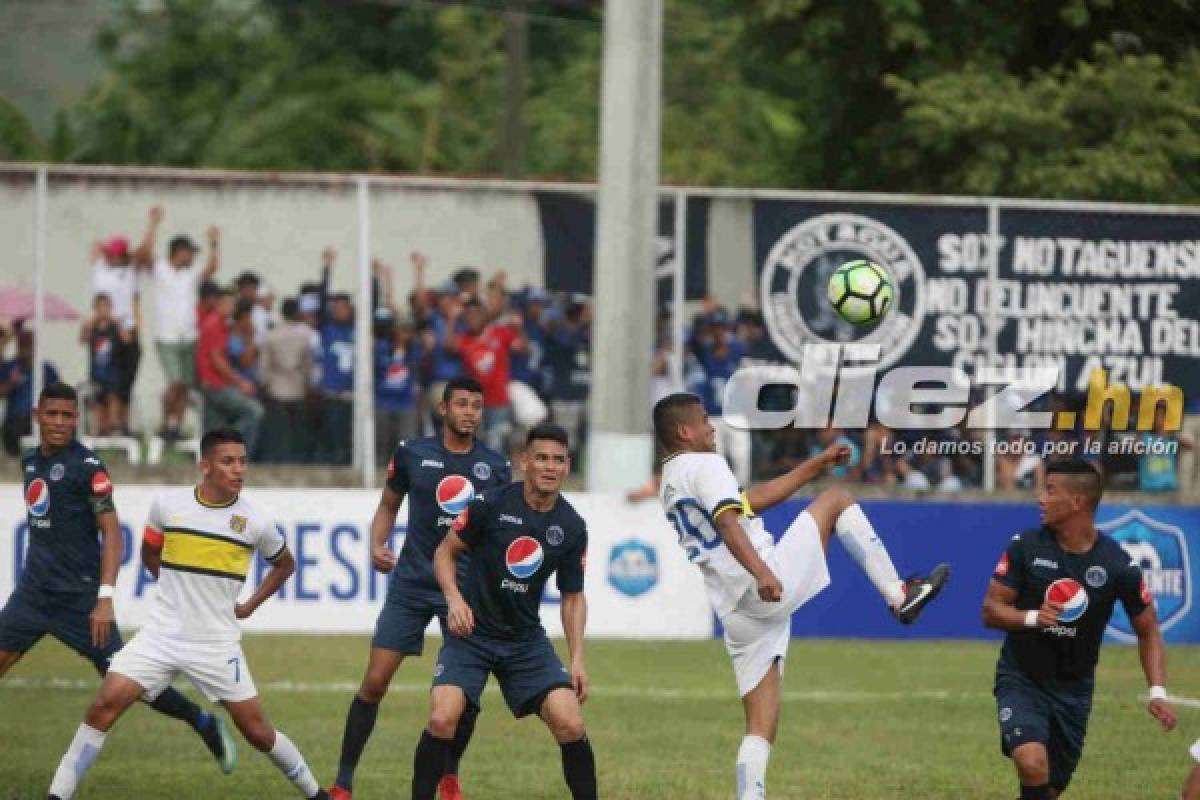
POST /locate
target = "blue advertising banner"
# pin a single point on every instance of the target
(971, 537)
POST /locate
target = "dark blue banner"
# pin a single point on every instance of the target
(971, 538)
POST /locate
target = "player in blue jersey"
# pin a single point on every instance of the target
(75, 544)
(518, 536)
(1053, 592)
(439, 475)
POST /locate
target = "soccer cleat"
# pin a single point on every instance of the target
(338, 793)
(918, 592)
(448, 788)
(218, 741)
(322, 795)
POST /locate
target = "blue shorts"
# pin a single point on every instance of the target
(406, 613)
(1056, 717)
(30, 615)
(527, 670)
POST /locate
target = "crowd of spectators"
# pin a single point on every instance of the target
(285, 377)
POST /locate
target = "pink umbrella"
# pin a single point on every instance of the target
(16, 302)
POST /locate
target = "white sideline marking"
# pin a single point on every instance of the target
(638, 692)
(649, 692)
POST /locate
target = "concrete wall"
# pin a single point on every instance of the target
(276, 227)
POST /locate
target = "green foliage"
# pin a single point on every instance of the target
(18, 140)
(1114, 127)
(1082, 98)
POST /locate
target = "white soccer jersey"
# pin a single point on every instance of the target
(207, 553)
(696, 487)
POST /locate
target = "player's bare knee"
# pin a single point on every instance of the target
(1032, 763)
(838, 499)
(443, 722)
(568, 730)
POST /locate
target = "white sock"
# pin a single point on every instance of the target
(752, 768)
(75, 762)
(291, 763)
(865, 547)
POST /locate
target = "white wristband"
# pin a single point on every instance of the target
(1031, 619)
(105, 592)
(1158, 693)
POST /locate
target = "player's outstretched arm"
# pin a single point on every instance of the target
(1000, 611)
(282, 567)
(770, 493)
(445, 559)
(740, 547)
(1154, 663)
(574, 620)
(382, 557)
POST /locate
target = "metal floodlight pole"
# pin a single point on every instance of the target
(39, 282)
(677, 291)
(993, 266)
(364, 396)
(620, 448)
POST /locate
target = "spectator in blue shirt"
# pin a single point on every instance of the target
(16, 386)
(337, 380)
(396, 359)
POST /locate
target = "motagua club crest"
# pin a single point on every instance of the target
(792, 286)
(1160, 550)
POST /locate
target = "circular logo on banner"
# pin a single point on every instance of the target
(57, 472)
(453, 493)
(1069, 594)
(555, 535)
(1096, 577)
(794, 278)
(482, 471)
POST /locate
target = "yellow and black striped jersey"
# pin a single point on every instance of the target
(207, 551)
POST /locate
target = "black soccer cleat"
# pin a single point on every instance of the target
(918, 592)
(220, 743)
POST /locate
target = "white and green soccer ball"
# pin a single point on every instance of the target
(861, 292)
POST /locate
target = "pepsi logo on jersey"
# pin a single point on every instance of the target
(523, 557)
(37, 500)
(453, 494)
(1071, 595)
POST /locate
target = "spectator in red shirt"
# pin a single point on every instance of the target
(485, 352)
(229, 398)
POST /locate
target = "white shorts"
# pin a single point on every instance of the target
(757, 633)
(217, 669)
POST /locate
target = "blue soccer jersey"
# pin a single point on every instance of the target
(439, 484)
(514, 551)
(63, 494)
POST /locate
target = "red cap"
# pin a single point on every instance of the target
(116, 247)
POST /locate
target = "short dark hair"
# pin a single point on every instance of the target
(1083, 477)
(218, 436)
(547, 431)
(668, 413)
(209, 289)
(290, 308)
(58, 391)
(243, 307)
(463, 383)
(248, 278)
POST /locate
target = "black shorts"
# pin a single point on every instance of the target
(526, 670)
(1055, 717)
(406, 613)
(29, 615)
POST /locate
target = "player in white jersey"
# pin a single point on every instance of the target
(199, 543)
(753, 583)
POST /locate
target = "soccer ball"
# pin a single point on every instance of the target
(861, 292)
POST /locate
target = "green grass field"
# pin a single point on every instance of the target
(861, 720)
